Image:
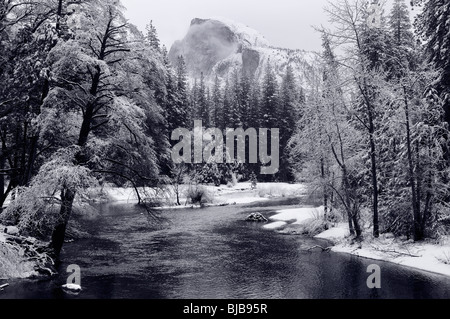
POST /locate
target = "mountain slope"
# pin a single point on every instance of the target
(218, 46)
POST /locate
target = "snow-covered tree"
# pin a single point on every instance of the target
(183, 108)
(152, 36)
(28, 31)
(227, 120)
(203, 109)
(290, 110)
(400, 24)
(270, 105)
(432, 24)
(217, 104)
(100, 109)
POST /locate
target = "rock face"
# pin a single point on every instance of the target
(218, 46)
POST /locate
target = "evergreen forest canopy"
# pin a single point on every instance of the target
(87, 99)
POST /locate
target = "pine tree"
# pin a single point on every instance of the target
(236, 99)
(209, 107)
(217, 105)
(194, 101)
(270, 108)
(244, 100)
(227, 121)
(434, 28)
(400, 24)
(376, 49)
(203, 111)
(404, 53)
(174, 115)
(183, 95)
(269, 99)
(290, 100)
(254, 114)
(152, 36)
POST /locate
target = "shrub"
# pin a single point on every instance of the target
(335, 216)
(253, 180)
(445, 257)
(438, 225)
(314, 227)
(197, 194)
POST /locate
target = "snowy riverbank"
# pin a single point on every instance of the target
(241, 193)
(428, 255)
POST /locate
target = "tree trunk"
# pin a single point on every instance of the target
(67, 198)
(332, 193)
(86, 125)
(355, 218)
(351, 225)
(428, 204)
(59, 16)
(31, 159)
(325, 195)
(418, 231)
(351, 228)
(373, 159)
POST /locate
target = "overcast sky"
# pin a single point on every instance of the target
(285, 23)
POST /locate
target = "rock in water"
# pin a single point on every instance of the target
(12, 230)
(71, 288)
(256, 217)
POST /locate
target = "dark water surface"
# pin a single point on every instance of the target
(212, 253)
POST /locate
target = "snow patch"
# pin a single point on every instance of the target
(336, 233)
(241, 193)
(275, 225)
(72, 287)
(300, 215)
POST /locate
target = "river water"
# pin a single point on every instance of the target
(213, 253)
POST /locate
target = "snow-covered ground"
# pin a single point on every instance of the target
(295, 216)
(428, 256)
(425, 255)
(241, 193)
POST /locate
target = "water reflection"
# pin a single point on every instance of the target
(213, 253)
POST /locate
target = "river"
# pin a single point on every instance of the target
(213, 253)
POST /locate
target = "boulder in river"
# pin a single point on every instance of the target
(71, 288)
(256, 217)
